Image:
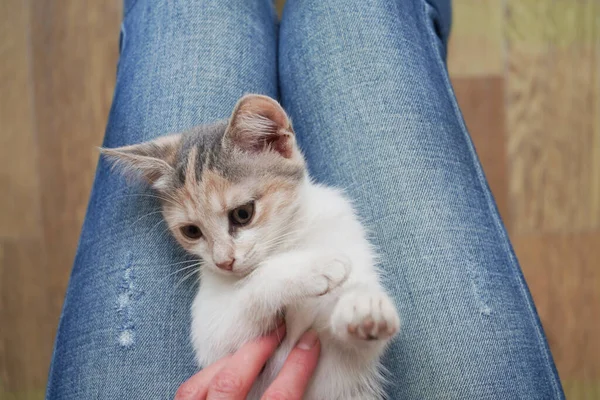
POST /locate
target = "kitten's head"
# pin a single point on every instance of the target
(230, 189)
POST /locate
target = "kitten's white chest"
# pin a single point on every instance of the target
(218, 327)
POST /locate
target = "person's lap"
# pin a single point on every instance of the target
(368, 86)
(124, 333)
(368, 93)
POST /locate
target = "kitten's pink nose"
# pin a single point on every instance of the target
(226, 265)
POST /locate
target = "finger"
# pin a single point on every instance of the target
(235, 379)
(196, 387)
(293, 379)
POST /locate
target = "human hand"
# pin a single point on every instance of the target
(231, 378)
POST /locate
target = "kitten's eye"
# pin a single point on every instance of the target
(191, 232)
(242, 215)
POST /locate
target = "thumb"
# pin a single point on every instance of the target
(295, 374)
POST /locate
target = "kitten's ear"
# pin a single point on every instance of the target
(152, 160)
(258, 123)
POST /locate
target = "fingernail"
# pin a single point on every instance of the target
(308, 340)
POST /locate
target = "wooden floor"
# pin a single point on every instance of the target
(527, 76)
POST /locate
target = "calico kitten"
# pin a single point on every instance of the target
(271, 241)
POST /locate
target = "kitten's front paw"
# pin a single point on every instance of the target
(331, 275)
(368, 315)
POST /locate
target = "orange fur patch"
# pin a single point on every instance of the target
(274, 197)
(214, 185)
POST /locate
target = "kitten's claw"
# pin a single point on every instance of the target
(365, 316)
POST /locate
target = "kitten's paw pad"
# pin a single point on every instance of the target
(333, 274)
(365, 316)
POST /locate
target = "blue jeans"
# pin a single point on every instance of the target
(366, 85)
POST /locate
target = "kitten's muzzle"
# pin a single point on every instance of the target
(226, 265)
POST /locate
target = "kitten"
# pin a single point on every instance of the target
(239, 197)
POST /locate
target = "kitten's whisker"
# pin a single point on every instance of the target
(283, 233)
(169, 199)
(276, 245)
(146, 215)
(280, 238)
(159, 233)
(280, 233)
(167, 227)
(269, 244)
(285, 236)
(186, 268)
(250, 252)
(352, 185)
(167, 265)
(155, 225)
(185, 278)
(154, 196)
(166, 230)
(182, 262)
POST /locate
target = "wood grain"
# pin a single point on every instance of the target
(56, 81)
(75, 48)
(553, 100)
(18, 155)
(26, 331)
(26, 346)
(482, 103)
(475, 47)
(563, 273)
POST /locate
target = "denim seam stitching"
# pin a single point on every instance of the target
(500, 231)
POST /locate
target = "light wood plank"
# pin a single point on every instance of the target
(26, 333)
(482, 103)
(18, 155)
(26, 337)
(595, 164)
(563, 273)
(553, 100)
(475, 47)
(75, 50)
(279, 4)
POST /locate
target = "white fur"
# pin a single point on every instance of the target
(323, 250)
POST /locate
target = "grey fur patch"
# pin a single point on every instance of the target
(207, 139)
(231, 164)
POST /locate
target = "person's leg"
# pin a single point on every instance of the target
(367, 88)
(124, 332)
